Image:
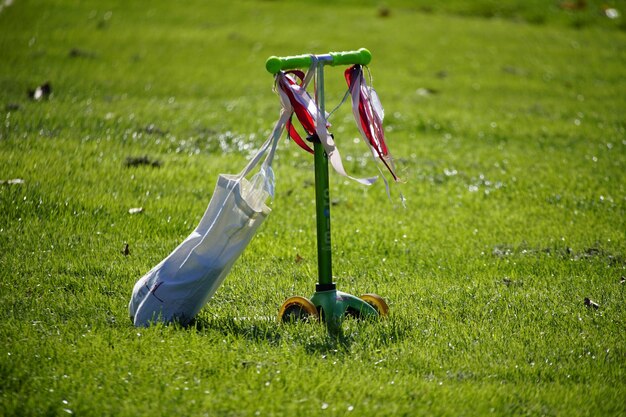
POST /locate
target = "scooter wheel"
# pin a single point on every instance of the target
(376, 301)
(297, 308)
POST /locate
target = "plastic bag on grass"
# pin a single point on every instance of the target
(180, 285)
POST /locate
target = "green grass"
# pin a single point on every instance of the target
(510, 133)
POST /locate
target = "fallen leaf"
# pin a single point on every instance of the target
(299, 258)
(80, 53)
(40, 92)
(135, 161)
(384, 11)
(591, 303)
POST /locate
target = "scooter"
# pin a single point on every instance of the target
(327, 303)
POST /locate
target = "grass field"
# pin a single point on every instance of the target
(507, 123)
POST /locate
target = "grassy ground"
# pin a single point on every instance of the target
(510, 134)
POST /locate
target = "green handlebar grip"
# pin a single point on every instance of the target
(275, 64)
(362, 57)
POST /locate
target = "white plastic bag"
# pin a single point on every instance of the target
(180, 285)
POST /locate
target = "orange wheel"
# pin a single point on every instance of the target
(297, 309)
(377, 302)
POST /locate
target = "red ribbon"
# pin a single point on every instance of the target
(371, 123)
(304, 117)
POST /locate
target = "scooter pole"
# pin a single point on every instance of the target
(322, 198)
(331, 303)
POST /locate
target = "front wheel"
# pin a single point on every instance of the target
(297, 308)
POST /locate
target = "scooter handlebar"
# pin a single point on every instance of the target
(275, 64)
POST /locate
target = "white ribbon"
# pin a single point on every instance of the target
(321, 122)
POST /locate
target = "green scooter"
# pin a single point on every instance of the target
(327, 303)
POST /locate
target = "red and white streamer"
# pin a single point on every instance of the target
(369, 115)
(297, 100)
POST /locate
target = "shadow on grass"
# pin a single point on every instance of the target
(256, 329)
(314, 337)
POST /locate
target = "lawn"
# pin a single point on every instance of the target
(507, 123)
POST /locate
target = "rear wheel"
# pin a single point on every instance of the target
(376, 301)
(297, 309)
